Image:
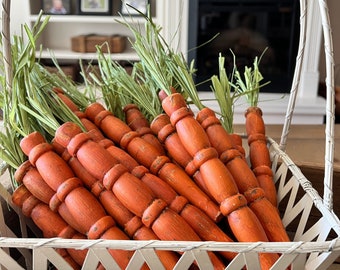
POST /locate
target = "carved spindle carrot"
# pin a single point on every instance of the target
(220, 183)
(147, 155)
(243, 175)
(259, 152)
(85, 209)
(137, 122)
(129, 190)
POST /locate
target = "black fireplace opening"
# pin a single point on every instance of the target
(245, 28)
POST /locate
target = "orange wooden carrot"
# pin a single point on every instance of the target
(168, 136)
(50, 223)
(249, 85)
(148, 156)
(89, 215)
(220, 183)
(129, 190)
(137, 122)
(243, 175)
(131, 224)
(259, 152)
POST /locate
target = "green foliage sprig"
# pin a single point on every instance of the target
(249, 84)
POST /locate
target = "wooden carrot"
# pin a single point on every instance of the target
(168, 136)
(243, 176)
(131, 224)
(137, 122)
(148, 156)
(154, 213)
(50, 223)
(255, 129)
(259, 152)
(83, 206)
(242, 220)
(198, 220)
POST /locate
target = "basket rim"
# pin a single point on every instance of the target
(301, 247)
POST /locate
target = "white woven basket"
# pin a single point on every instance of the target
(310, 219)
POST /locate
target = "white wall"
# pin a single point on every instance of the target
(18, 15)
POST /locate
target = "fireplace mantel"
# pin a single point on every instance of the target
(308, 111)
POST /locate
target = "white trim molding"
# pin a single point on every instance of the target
(310, 66)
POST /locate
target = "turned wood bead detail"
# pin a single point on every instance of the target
(127, 188)
(263, 171)
(167, 134)
(131, 224)
(27, 174)
(50, 223)
(137, 122)
(147, 155)
(217, 178)
(246, 180)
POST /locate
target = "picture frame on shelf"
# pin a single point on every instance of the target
(134, 7)
(94, 7)
(57, 7)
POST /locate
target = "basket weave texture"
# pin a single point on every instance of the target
(314, 228)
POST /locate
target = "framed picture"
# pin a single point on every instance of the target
(134, 7)
(95, 7)
(57, 7)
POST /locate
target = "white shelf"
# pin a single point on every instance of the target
(128, 55)
(55, 40)
(86, 19)
(308, 111)
(56, 37)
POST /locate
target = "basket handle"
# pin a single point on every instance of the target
(330, 105)
(297, 76)
(6, 43)
(330, 99)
